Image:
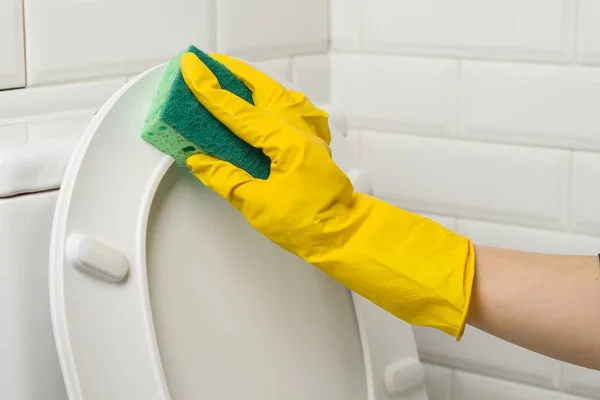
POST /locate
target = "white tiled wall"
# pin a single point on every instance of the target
(77, 52)
(478, 113)
(483, 115)
(61, 60)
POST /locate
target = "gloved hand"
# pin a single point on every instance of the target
(268, 95)
(409, 265)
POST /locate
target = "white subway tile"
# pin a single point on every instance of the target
(78, 40)
(476, 387)
(515, 29)
(311, 73)
(281, 67)
(23, 103)
(345, 20)
(353, 139)
(438, 381)
(337, 119)
(272, 28)
(527, 239)
(12, 61)
(540, 104)
(480, 180)
(480, 352)
(411, 95)
(581, 381)
(585, 215)
(589, 31)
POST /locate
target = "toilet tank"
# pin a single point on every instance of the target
(33, 156)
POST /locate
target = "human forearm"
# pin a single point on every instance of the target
(546, 303)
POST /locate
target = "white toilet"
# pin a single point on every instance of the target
(160, 290)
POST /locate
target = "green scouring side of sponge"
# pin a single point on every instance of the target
(178, 125)
(157, 132)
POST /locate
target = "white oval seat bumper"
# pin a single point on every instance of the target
(159, 289)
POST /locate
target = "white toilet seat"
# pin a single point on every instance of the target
(159, 288)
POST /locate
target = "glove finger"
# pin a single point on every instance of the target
(316, 124)
(221, 176)
(266, 91)
(271, 95)
(193, 65)
(255, 127)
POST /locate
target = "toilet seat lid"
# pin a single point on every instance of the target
(159, 289)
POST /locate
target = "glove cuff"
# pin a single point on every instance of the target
(407, 264)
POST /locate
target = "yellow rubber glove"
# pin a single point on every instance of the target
(407, 264)
(292, 106)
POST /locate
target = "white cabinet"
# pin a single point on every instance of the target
(71, 39)
(12, 57)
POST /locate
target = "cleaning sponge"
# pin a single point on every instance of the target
(178, 125)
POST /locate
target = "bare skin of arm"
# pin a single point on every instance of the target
(546, 303)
